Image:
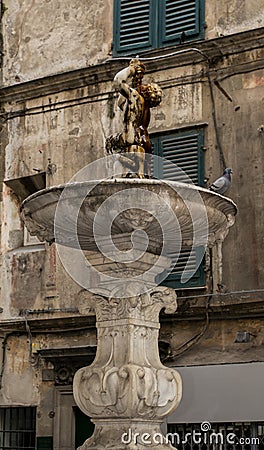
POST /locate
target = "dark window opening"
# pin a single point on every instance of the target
(17, 428)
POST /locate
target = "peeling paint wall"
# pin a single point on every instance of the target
(228, 17)
(218, 344)
(239, 126)
(20, 383)
(46, 37)
(23, 382)
(67, 137)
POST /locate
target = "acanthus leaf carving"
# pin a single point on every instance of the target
(146, 305)
(128, 391)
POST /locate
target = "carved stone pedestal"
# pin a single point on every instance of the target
(127, 391)
(118, 434)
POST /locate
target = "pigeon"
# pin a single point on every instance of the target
(222, 184)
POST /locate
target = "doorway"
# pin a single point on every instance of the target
(84, 427)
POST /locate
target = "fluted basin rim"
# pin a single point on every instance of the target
(227, 206)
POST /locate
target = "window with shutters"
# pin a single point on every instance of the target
(17, 428)
(182, 159)
(145, 24)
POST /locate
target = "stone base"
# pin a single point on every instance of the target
(126, 390)
(127, 434)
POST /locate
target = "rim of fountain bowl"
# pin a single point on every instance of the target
(226, 205)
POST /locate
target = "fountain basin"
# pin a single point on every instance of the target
(197, 210)
(117, 230)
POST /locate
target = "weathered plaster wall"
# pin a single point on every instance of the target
(233, 16)
(73, 136)
(45, 411)
(23, 383)
(51, 36)
(217, 345)
(67, 136)
(20, 383)
(43, 38)
(240, 131)
(181, 104)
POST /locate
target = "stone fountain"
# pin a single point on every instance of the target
(113, 236)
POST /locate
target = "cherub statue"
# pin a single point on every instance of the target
(135, 100)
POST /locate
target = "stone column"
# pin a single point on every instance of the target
(127, 391)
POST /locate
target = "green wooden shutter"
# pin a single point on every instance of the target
(144, 24)
(186, 260)
(178, 17)
(185, 151)
(134, 24)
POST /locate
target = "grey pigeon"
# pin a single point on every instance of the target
(222, 184)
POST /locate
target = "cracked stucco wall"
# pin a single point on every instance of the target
(52, 36)
(227, 17)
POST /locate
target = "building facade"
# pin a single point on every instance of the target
(58, 105)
